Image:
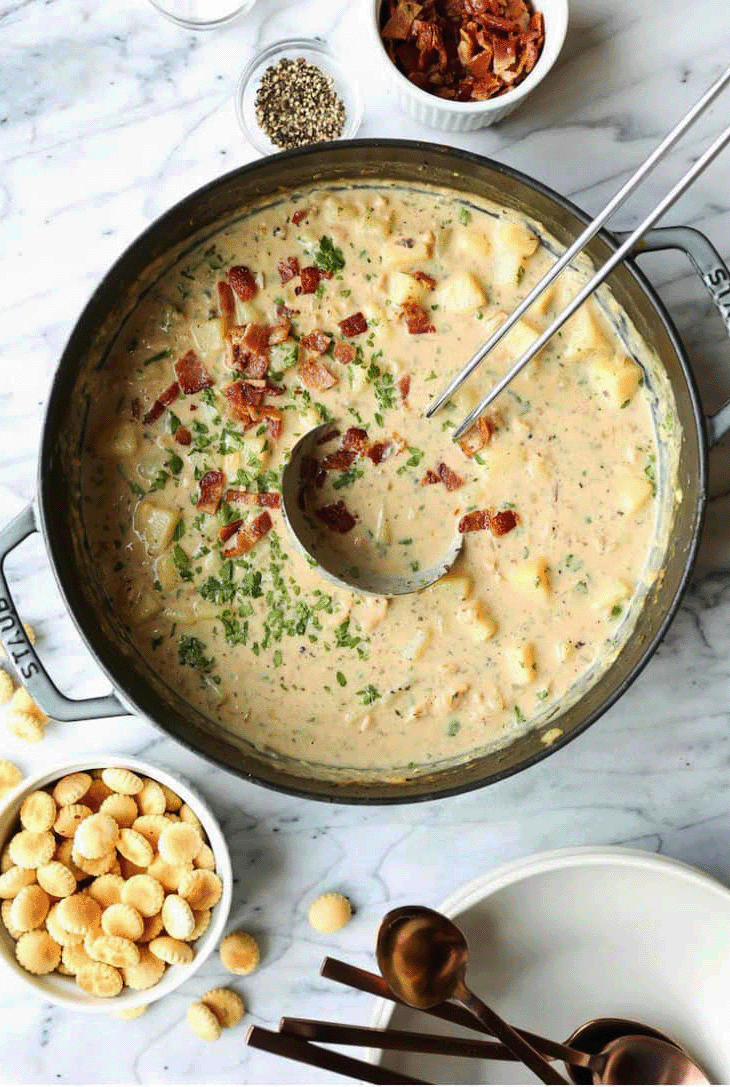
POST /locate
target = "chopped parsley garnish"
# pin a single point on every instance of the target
(341, 679)
(179, 530)
(191, 651)
(452, 728)
(369, 695)
(182, 562)
(348, 478)
(158, 357)
(463, 216)
(328, 257)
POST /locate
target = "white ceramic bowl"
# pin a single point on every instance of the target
(468, 116)
(62, 990)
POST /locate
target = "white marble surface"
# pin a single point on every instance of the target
(109, 114)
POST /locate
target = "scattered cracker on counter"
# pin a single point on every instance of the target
(239, 953)
(132, 1013)
(7, 687)
(226, 1005)
(10, 776)
(330, 912)
(25, 725)
(77, 887)
(203, 1022)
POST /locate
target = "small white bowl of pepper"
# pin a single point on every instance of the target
(296, 93)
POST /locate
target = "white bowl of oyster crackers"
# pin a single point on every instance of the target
(115, 883)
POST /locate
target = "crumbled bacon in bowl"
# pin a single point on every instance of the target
(463, 50)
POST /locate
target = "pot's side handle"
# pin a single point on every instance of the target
(715, 276)
(20, 651)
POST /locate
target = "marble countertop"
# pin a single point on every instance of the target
(108, 115)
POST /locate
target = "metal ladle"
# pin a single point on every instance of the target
(423, 956)
(313, 541)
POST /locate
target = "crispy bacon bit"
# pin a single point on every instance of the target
(274, 390)
(430, 477)
(339, 461)
(136, 408)
(354, 325)
(280, 332)
(244, 401)
(356, 439)
(479, 436)
(269, 499)
(345, 353)
(465, 50)
(316, 341)
(416, 318)
(183, 436)
(337, 517)
(163, 401)
(428, 281)
(315, 375)
(500, 523)
(328, 436)
(256, 339)
(211, 491)
(229, 530)
(449, 478)
(476, 521)
(288, 269)
(503, 522)
(274, 421)
(249, 536)
(191, 374)
(398, 26)
(380, 451)
(284, 313)
(299, 216)
(310, 278)
(404, 387)
(226, 301)
(253, 362)
(243, 282)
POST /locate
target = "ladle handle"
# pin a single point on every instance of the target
(514, 1041)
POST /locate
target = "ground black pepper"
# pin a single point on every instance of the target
(297, 104)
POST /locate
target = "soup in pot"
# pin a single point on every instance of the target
(353, 307)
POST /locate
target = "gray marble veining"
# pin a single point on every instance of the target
(109, 114)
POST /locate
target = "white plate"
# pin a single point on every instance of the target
(572, 934)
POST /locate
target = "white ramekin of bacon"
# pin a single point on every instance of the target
(459, 65)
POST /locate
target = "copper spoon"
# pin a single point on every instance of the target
(630, 1052)
(423, 956)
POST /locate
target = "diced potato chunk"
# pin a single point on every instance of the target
(372, 612)
(471, 243)
(339, 211)
(414, 649)
(477, 620)
(398, 253)
(583, 335)
(209, 335)
(532, 576)
(460, 293)
(514, 243)
(564, 651)
(632, 492)
(404, 288)
(248, 313)
(521, 663)
(155, 524)
(166, 571)
(612, 594)
(137, 603)
(457, 585)
(618, 379)
(117, 440)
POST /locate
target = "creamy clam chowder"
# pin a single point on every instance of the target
(353, 306)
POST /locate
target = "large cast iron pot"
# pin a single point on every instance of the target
(55, 512)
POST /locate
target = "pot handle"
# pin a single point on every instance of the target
(19, 649)
(715, 276)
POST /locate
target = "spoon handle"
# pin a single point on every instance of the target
(508, 1035)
